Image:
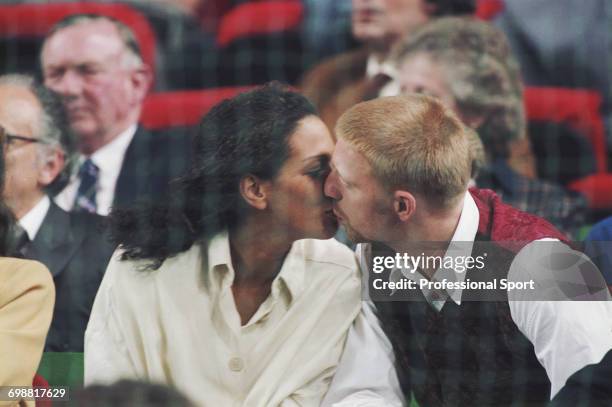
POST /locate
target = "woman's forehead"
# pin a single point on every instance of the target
(310, 139)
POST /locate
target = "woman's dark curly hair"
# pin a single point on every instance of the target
(247, 134)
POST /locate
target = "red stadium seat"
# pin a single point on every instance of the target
(488, 9)
(40, 381)
(35, 20)
(186, 108)
(578, 108)
(597, 188)
(262, 17)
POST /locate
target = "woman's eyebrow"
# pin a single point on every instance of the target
(323, 159)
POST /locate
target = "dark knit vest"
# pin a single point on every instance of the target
(472, 354)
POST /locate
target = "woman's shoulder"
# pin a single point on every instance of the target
(18, 276)
(330, 274)
(328, 262)
(19, 272)
(15, 264)
(329, 251)
(142, 273)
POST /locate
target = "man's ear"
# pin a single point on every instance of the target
(404, 205)
(141, 80)
(50, 167)
(473, 120)
(254, 191)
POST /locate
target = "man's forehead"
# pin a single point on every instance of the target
(349, 162)
(86, 40)
(19, 109)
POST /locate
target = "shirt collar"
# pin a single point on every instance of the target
(460, 246)
(109, 157)
(465, 233)
(293, 270)
(375, 66)
(32, 220)
(221, 272)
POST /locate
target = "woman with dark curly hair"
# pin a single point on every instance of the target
(220, 289)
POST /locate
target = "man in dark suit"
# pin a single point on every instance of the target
(72, 245)
(94, 64)
(346, 79)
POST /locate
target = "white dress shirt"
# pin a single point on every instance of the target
(31, 221)
(179, 325)
(374, 67)
(366, 375)
(109, 160)
(567, 336)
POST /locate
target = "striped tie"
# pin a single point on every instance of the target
(86, 195)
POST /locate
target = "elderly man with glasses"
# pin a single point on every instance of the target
(36, 149)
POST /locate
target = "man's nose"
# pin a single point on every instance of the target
(330, 189)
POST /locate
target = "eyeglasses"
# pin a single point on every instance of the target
(7, 139)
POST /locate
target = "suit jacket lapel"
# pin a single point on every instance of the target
(56, 241)
(127, 188)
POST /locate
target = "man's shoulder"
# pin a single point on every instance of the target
(89, 238)
(601, 230)
(156, 137)
(87, 221)
(152, 160)
(80, 222)
(355, 60)
(502, 222)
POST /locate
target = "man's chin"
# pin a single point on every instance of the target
(83, 126)
(353, 235)
(369, 34)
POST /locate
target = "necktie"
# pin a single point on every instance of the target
(85, 200)
(21, 241)
(374, 85)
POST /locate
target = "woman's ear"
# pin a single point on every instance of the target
(404, 205)
(254, 191)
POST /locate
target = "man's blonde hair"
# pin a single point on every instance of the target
(412, 142)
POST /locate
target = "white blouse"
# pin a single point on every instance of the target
(179, 325)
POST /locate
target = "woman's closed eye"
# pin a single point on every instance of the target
(318, 173)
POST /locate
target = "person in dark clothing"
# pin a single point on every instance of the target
(400, 174)
(71, 245)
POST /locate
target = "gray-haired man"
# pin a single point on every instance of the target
(70, 245)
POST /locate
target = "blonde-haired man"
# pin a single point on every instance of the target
(372, 138)
(400, 174)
